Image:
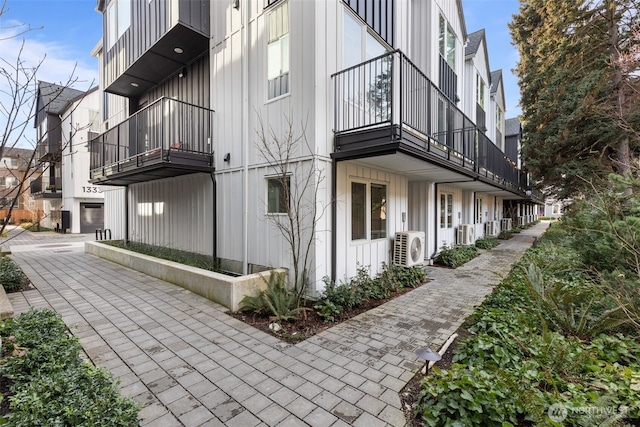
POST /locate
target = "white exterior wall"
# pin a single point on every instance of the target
(473, 66)
(351, 254)
(78, 120)
(115, 211)
(173, 212)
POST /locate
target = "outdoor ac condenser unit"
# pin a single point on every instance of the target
(489, 229)
(408, 248)
(466, 234)
(507, 224)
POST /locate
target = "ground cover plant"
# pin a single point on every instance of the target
(11, 276)
(46, 382)
(554, 344)
(455, 256)
(34, 227)
(487, 242)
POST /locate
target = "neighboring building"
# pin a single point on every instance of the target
(513, 140)
(381, 89)
(66, 120)
(16, 173)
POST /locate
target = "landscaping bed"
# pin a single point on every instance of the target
(555, 344)
(45, 382)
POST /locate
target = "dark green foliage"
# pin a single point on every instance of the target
(505, 235)
(11, 276)
(455, 256)
(536, 341)
(574, 124)
(51, 385)
(466, 397)
(187, 258)
(277, 300)
(362, 287)
(487, 242)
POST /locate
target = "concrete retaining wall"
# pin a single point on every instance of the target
(225, 290)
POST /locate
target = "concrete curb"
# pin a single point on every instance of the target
(6, 309)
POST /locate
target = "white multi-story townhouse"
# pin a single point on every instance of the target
(377, 90)
(66, 120)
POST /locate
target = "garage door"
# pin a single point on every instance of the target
(91, 217)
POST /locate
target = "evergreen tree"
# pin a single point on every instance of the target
(572, 89)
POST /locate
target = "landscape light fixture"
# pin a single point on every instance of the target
(428, 355)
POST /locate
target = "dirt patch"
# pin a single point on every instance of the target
(310, 323)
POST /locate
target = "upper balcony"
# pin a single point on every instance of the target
(167, 138)
(45, 190)
(387, 105)
(162, 37)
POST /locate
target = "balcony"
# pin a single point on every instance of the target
(387, 106)
(168, 138)
(46, 190)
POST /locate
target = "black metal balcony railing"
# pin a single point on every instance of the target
(390, 92)
(162, 132)
(46, 191)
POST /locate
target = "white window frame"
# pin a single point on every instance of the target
(280, 46)
(118, 20)
(368, 211)
(279, 180)
(446, 35)
(479, 211)
(480, 91)
(446, 211)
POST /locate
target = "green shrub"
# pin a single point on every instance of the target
(278, 300)
(336, 299)
(487, 242)
(11, 276)
(50, 384)
(455, 256)
(505, 235)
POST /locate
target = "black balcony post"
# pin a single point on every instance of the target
(401, 89)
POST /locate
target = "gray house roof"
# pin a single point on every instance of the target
(474, 42)
(22, 154)
(55, 98)
(496, 76)
(512, 126)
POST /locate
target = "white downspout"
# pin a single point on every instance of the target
(245, 135)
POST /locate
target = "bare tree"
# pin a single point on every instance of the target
(299, 178)
(18, 97)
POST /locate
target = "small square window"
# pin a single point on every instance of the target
(278, 195)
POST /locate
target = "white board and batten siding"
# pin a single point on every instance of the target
(368, 253)
(174, 213)
(115, 211)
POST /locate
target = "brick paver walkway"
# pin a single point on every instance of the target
(191, 364)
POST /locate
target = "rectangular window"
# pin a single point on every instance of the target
(358, 211)
(3, 181)
(446, 210)
(447, 43)
(118, 20)
(278, 195)
(278, 51)
(11, 181)
(480, 87)
(9, 162)
(368, 207)
(378, 211)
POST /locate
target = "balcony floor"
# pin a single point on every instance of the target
(152, 165)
